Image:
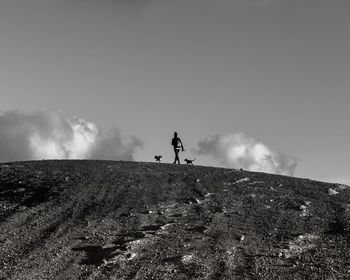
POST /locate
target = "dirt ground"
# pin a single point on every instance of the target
(129, 220)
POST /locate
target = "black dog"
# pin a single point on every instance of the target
(189, 161)
(158, 158)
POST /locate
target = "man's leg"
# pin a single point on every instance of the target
(177, 156)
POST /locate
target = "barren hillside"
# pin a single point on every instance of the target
(129, 220)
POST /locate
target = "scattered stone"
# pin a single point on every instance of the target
(242, 180)
(187, 259)
(343, 187)
(332, 192)
(256, 182)
(305, 211)
(347, 207)
(108, 246)
(132, 256)
(299, 245)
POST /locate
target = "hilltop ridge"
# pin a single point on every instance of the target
(84, 219)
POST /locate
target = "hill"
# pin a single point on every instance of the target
(129, 220)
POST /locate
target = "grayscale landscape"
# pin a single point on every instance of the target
(135, 220)
(174, 139)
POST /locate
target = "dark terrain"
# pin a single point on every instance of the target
(129, 220)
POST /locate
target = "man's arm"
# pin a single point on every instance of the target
(182, 146)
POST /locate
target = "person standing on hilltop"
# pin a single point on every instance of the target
(177, 144)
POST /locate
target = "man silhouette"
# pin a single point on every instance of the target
(177, 144)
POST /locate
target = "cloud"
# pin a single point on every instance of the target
(38, 135)
(111, 145)
(238, 151)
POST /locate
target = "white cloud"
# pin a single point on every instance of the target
(238, 151)
(38, 135)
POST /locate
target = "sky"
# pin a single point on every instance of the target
(269, 72)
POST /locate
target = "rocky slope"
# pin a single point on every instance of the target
(129, 220)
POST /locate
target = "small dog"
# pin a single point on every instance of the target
(189, 161)
(158, 158)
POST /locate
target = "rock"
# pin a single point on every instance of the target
(332, 191)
